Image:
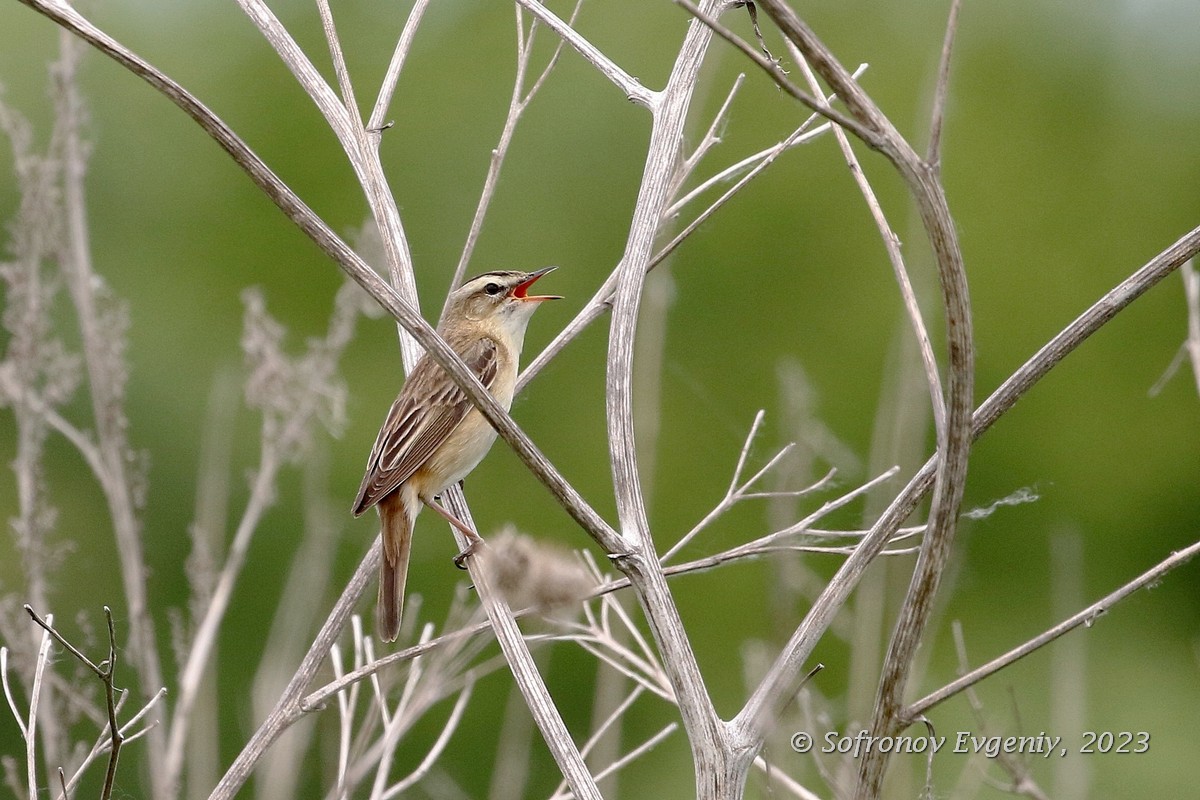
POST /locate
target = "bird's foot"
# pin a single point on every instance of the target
(471, 549)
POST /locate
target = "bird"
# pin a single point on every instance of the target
(433, 435)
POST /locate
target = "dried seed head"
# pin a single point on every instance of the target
(528, 572)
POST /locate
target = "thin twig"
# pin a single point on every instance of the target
(596, 737)
(1191, 291)
(938, 116)
(302, 599)
(788, 782)
(803, 134)
(130, 735)
(12, 704)
(712, 136)
(104, 671)
(339, 62)
(1021, 781)
(777, 74)
(891, 243)
(288, 708)
(361, 149)
(78, 439)
(517, 104)
(399, 55)
(35, 695)
(635, 753)
(767, 544)
(608, 722)
(601, 301)
(1068, 680)
(262, 495)
(346, 702)
(800, 136)
(628, 84)
(509, 778)
(727, 501)
(1086, 617)
(116, 739)
(439, 746)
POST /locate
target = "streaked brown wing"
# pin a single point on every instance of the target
(430, 406)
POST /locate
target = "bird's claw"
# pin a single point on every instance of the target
(467, 552)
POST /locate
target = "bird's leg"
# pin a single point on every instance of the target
(474, 540)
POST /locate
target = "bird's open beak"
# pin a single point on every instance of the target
(522, 287)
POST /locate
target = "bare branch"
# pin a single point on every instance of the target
(114, 729)
(1083, 326)
(605, 65)
(35, 695)
(349, 103)
(759, 161)
(723, 752)
(740, 491)
(777, 776)
(938, 117)
(104, 741)
(335, 112)
(891, 243)
(601, 300)
(1191, 290)
(767, 544)
(262, 496)
(1086, 617)
(104, 671)
(631, 756)
(360, 147)
(820, 616)
(435, 752)
(608, 723)
(519, 101)
(399, 55)
(777, 74)
(524, 670)
(712, 136)
(718, 768)
(12, 704)
(1022, 783)
(1068, 668)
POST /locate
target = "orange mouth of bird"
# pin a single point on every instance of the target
(519, 291)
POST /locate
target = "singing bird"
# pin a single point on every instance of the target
(433, 435)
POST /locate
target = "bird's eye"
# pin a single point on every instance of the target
(492, 288)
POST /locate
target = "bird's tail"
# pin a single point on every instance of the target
(397, 525)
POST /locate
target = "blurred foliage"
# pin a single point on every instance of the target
(1070, 158)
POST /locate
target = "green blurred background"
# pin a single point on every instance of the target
(1072, 155)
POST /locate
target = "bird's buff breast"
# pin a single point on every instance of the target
(466, 446)
(460, 454)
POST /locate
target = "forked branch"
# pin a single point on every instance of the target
(105, 671)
